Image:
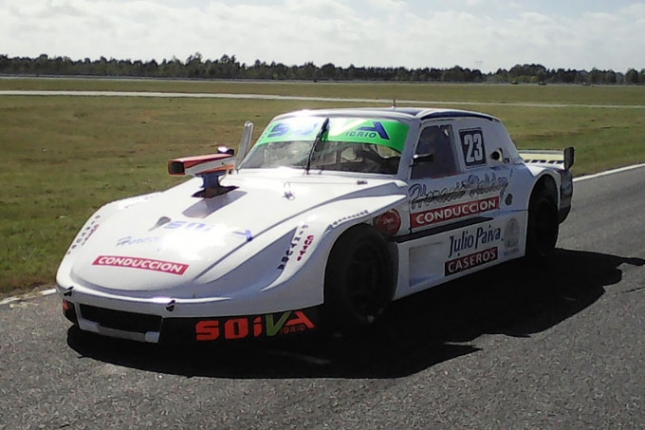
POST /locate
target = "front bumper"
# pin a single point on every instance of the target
(157, 322)
(156, 329)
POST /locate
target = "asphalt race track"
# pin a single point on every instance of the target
(513, 347)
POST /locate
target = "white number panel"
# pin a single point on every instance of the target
(472, 145)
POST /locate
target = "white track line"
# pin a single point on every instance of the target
(23, 297)
(609, 172)
(155, 94)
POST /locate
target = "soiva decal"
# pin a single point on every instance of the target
(247, 327)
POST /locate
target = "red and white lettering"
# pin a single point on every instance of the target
(246, 327)
(236, 328)
(207, 330)
(447, 213)
(301, 318)
(470, 261)
(308, 241)
(141, 263)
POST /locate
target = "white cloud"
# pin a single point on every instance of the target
(389, 5)
(409, 33)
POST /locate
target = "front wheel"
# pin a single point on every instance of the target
(358, 279)
(543, 226)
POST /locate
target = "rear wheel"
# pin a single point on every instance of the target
(358, 279)
(543, 226)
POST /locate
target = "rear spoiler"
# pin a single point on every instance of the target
(201, 165)
(208, 167)
(564, 159)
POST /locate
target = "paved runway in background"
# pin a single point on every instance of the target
(388, 102)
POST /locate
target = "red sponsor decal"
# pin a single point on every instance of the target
(294, 243)
(246, 327)
(141, 263)
(448, 213)
(307, 243)
(469, 261)
(389, 223)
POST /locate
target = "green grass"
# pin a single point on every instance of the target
(483, 93)
(64, 157)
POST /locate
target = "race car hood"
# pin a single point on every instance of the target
(168, 240)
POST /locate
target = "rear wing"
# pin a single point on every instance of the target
(208, 167)
(563, 159)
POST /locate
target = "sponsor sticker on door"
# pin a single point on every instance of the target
(448, 213)
(471, 261)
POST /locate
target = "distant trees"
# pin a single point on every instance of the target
(632, 77)
(228, 67)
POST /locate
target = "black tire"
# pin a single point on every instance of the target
(358, 280)
(543, 226)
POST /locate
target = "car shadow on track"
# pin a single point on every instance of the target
(514, 299)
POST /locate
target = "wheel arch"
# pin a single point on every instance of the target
(390, 249)
(338, 313)
(546, 182)
(541, 236)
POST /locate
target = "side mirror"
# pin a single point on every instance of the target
(422, 158)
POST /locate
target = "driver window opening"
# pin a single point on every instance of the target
(434, 156)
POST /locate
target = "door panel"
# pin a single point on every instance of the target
(450, 180)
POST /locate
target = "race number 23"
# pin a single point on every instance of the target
(472, 144)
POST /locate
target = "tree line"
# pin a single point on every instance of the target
(228, 67)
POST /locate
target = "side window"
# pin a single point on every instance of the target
(472, 146)
(434, 156)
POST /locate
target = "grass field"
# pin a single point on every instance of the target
(66, 156)
(568, 94)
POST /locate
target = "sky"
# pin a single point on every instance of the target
(483, 34)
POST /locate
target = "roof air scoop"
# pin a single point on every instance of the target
(208, 167)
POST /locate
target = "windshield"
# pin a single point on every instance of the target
(348, 144)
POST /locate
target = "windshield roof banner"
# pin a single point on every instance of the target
(360, 130)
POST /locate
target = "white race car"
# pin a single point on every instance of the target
(331, 215)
